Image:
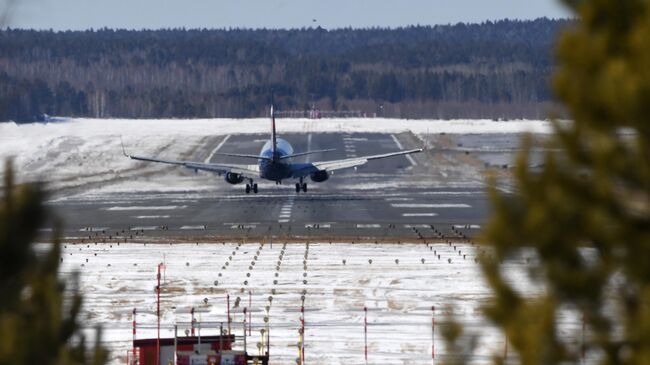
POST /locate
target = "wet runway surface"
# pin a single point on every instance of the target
(427, 196)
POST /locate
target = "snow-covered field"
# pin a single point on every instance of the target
(89, 150)
(397, 283)
(399, 294)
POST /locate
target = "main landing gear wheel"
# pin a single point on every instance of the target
(301, 186)
(251, 187)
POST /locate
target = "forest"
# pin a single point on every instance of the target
(490, 70)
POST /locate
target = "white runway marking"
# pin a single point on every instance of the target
(451, 192)
(399, 145)
(144, 228)
(152, 207)
(368, 225)
(318, 225)
(243, 226)
(419, 214)
(417, 226)
(407, 205)
(193, 227)
(93, 229)
(467, 226)
(285, 210)
(151, 216)
(207, 160)
(309, 137)
(398, 199)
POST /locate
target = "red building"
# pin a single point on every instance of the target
(191, 350)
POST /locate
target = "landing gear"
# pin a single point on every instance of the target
(250, 187)
(301, 186)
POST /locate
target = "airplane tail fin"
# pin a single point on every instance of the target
(273, 134)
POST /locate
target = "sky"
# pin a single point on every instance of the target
(154, 14)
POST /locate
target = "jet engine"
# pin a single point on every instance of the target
(319, 176)
(232, 178)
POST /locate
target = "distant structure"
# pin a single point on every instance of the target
(193, 349)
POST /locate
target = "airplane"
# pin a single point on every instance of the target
(275, 164)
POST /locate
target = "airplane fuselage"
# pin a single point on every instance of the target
(277, 169)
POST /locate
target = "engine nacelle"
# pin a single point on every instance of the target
(319, 176)
(234, 178)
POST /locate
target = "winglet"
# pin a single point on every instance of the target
(123, 150)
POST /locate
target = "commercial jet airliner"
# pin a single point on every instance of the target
(274, 164)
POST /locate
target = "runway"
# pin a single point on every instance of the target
(426, 196)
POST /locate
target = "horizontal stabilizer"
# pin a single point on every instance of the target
(257, 157)
(305, 153)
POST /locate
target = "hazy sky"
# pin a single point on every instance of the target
(137, 14)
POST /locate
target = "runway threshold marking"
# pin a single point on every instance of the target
(399, 145)
(214, 151)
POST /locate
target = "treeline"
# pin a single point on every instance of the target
(499, 69)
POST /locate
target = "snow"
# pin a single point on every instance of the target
(88, 151)
(397, 283)
(390, 280)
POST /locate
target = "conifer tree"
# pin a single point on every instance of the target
(586, 214)
(38, 317)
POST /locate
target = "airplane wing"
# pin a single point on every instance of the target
(307, 169)
(251, 171)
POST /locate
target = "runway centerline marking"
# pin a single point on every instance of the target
(399, 145)
(409, 205)
(214, 151)
(309, 137)
(285, 210)
(150, 216)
